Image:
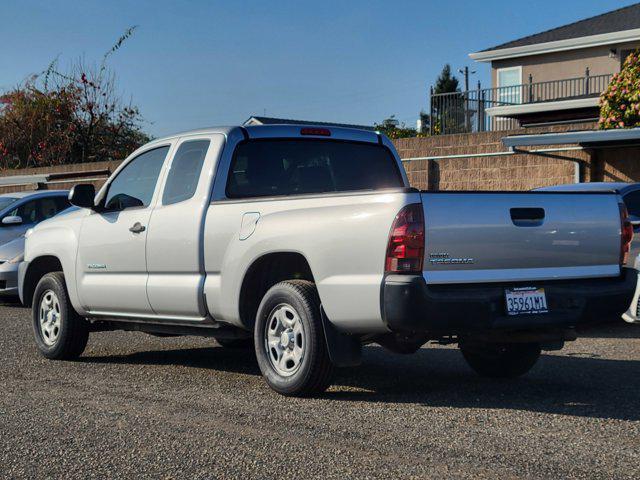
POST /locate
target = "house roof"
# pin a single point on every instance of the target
(625, 18)
(255, 120)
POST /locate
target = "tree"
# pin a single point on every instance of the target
(68, 117)
(447, 104)
(446, 83)
(393, 129)
(620, 102)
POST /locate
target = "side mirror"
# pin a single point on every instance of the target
(82, 195)
(12, 220)
(634, 220)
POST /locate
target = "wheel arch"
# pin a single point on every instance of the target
(38, 268)
(272, 268)
(264, 272)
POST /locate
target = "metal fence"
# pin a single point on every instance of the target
(466, 112)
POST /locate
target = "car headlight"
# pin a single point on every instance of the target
(17, 259)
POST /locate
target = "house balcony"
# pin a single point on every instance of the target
(507, 108)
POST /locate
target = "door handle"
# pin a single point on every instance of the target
(527, 217)
(137, 228)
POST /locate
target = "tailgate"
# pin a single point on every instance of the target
(474, 237)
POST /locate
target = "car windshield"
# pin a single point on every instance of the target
(6, 201)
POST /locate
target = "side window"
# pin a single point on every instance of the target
(51, 206)
(632, 202)
(134, 185)
(184, 174)
(40, 209)
(62, 203)
(27, 211)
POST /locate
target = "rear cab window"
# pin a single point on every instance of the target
(279, 167)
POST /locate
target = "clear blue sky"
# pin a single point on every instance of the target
(202, 63)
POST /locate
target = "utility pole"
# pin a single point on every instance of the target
(465, 71)
(467, 114)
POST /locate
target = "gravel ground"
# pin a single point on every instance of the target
(146, 407)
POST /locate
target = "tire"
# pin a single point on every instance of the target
(299, 364)
(236, 343)
(60, 333)
(506, 360)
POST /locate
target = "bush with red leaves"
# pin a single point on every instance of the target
(58, 118)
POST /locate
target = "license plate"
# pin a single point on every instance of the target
(526, 300)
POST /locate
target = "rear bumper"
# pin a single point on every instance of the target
(409, 304)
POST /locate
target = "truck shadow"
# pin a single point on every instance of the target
(214, 358)
(576, 384)
(613, 329)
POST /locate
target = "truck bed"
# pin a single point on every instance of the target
(477, 237)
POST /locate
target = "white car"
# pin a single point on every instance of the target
(632, 315)
(307, 242)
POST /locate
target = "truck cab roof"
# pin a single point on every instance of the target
(284, 131)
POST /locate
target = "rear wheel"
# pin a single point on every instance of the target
(501, 360)
(59, 331)
(289, 340)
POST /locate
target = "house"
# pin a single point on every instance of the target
(255, 120)
(545, 78)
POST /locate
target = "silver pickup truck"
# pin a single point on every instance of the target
(306, 243)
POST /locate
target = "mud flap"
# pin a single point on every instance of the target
(344, 350)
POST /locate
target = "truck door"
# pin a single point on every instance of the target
(175, 239)
(111, 267)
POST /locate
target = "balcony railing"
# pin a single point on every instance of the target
(465, 112)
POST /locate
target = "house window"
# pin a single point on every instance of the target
(509, 85)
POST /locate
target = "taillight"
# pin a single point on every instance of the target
(405, 250)
(626, 236)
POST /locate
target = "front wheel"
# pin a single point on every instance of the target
(501, 360)
(289, 340)
(59, 331)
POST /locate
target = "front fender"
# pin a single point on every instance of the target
(59, 240)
